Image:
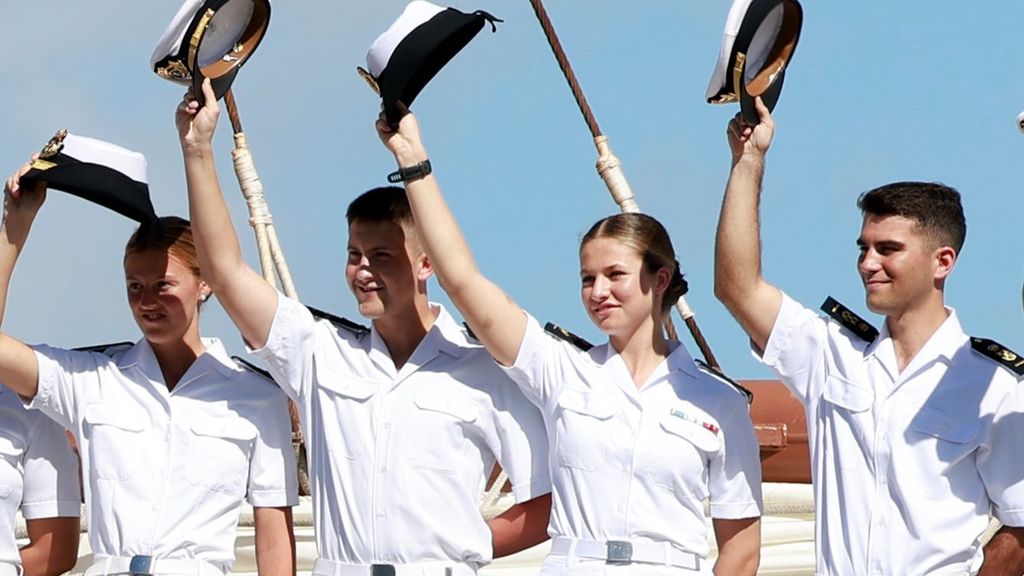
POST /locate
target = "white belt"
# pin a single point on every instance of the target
(106, 565)
(7, 569)
(626, 552)
(325, 567)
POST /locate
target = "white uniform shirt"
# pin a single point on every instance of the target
(167, 472)
(38, 471)
(398, 459)
(634, 463)
(905, 466)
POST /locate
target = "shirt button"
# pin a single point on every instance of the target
(382, 469)
(381, 514)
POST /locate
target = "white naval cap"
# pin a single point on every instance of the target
(210, 38)
(98, 171)
(403, 59)
(759, 40)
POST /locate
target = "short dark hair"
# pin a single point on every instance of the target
(935, 207)
(384, 204)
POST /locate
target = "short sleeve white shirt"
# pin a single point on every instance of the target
(38, 471)
(634, 463)
(399, 457)
(166, 472)
(906, 466)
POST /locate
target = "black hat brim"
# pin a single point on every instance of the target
(422, 54)
(98, 184)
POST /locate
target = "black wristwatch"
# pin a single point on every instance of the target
(410, 173)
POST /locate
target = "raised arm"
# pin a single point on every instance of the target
(248, 299)
(738, 281)
(495, 319)
(19, 368)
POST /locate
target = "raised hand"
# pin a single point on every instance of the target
(21, 203)
(196, 125)
(747, 140)
(404, 142)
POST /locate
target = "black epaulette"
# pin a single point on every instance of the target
(849, 320)
(107, 349)
(721, 376)
(253, 368)
(999, 353)
(559, 332)
(343, 323)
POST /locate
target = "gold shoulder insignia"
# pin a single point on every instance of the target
(343, 323)
(721, 376)
(559, 332)
(999, 353)
(849, 320)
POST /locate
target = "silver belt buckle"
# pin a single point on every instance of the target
(141, 565)
(382, 570)
(619, 552)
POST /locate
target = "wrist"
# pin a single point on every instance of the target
(752, 160)
(410, 157)
(197, 149)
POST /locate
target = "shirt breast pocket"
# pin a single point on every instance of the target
(218, 454)
(847, 420)
(116, 437)
(450, 424)
(341, 394)
(684, 451)
(581, 434)
(934, 444)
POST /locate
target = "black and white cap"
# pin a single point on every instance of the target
(210, 38)
(414, 49)
(98, 171)
(759, 41)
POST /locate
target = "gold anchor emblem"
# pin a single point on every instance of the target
(369, 79)
(55, 145)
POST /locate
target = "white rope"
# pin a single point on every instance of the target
(610, 169)
(494, 492)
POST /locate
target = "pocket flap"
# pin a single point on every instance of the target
(679, 424)
(844, 393)
(338, 382)
(586, 403)
(116, 416)
(939, 424)
(230, 428)
(427, 399)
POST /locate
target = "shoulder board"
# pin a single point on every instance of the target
(721, 376)
(469, 332)
(999, 353)
(343, 323)
(849, 320)
(559, 332)
(249, 366)
(107, 349)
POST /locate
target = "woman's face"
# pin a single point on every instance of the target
(163, 295)
(618, 293)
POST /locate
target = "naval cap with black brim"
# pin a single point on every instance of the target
(210, 39)
(759, 41)
(415, 48)
(98, 171)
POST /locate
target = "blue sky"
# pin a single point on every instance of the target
(878, 92)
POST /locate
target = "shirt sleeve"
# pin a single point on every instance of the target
(63, 383)
(536, 369)
(999, 463)
(523, 444)
(795, 348)
(273, 479)
(51, 474)
(734, 474)
(288, 352)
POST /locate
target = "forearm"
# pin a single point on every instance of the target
(275, 542)
(739, 546)
(19, 369)
(521, 526)
(52, 548)
(737, 241)
(1004, 553)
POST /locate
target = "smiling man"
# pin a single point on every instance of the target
(914, 427)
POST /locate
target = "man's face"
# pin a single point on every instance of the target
(898, 263)
(382, 268)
